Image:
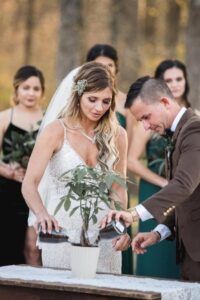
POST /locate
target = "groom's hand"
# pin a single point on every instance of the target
(143, 240)
(126, 216)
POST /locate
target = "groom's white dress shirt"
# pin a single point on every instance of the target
(143, 213)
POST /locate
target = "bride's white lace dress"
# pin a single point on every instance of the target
(57, 255)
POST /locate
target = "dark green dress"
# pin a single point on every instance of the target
(127, 258)
(160, 259)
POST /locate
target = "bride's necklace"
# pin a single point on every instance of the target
(91, 139)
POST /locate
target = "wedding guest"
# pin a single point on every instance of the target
(174, 73)
(18, 125)
(152, 176)
(108, 56)
(86, 133)
(177, 204)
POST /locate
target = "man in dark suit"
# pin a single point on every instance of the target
(177, 206)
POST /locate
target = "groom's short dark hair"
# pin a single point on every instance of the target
(149, 89)
(135, 90)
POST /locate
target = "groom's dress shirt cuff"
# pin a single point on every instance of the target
(164, 231)
(143, 213)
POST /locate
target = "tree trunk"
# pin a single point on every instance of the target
(29, 25)
(172, 27)
(125, 36)
(193, 52)
(69, 37)
(97, 23)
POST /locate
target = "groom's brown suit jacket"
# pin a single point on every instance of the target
(178, 204)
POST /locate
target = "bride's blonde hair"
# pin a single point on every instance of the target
(97, 78)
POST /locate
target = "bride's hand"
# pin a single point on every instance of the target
(122, 243)
(117, 215)
(46, 222)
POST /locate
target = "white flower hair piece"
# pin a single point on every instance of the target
(80, 86)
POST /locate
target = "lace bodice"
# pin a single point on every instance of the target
(62, 161)
(58, 255)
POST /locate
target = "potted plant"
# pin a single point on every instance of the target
(89, 187)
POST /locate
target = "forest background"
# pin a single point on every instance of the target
(55, 35)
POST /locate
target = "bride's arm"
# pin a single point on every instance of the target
(121, 167)
(123, 242)
(48, 142)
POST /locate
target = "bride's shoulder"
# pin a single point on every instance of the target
(54, 129)
(52, 135)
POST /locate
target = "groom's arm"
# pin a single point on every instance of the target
(165, 230)
(145, 239)
(186, 179)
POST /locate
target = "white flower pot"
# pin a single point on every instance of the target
(84, 261)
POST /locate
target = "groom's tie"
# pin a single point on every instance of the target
(168, 151)
(168, 133)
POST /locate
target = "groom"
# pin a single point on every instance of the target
(177, 205)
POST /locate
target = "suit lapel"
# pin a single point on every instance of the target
(171, 146)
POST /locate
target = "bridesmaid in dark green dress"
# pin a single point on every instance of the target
(108, 56)
(160, 259)
(15, 125)
(127, 259)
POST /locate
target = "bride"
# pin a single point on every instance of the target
(85, 132)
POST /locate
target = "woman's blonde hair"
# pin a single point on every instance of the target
(98, 77)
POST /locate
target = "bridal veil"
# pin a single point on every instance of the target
(60, 99)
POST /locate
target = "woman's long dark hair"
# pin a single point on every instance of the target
(103, 50)
(168, 64)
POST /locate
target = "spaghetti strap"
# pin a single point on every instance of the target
(11, 115)
(64, 127)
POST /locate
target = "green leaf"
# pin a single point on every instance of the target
(102, 187)
(73, 210)
(92, 173)
(118, 205)
(81, 174)
(59, 205)
(94, 219)
(106, 201)
(121, 181)
(109, 181)
(67, 203)
(8, 141)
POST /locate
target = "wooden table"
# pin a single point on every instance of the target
(36, 283)
(11, 289)
(17, 289)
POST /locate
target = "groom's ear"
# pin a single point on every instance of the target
(165, 101)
